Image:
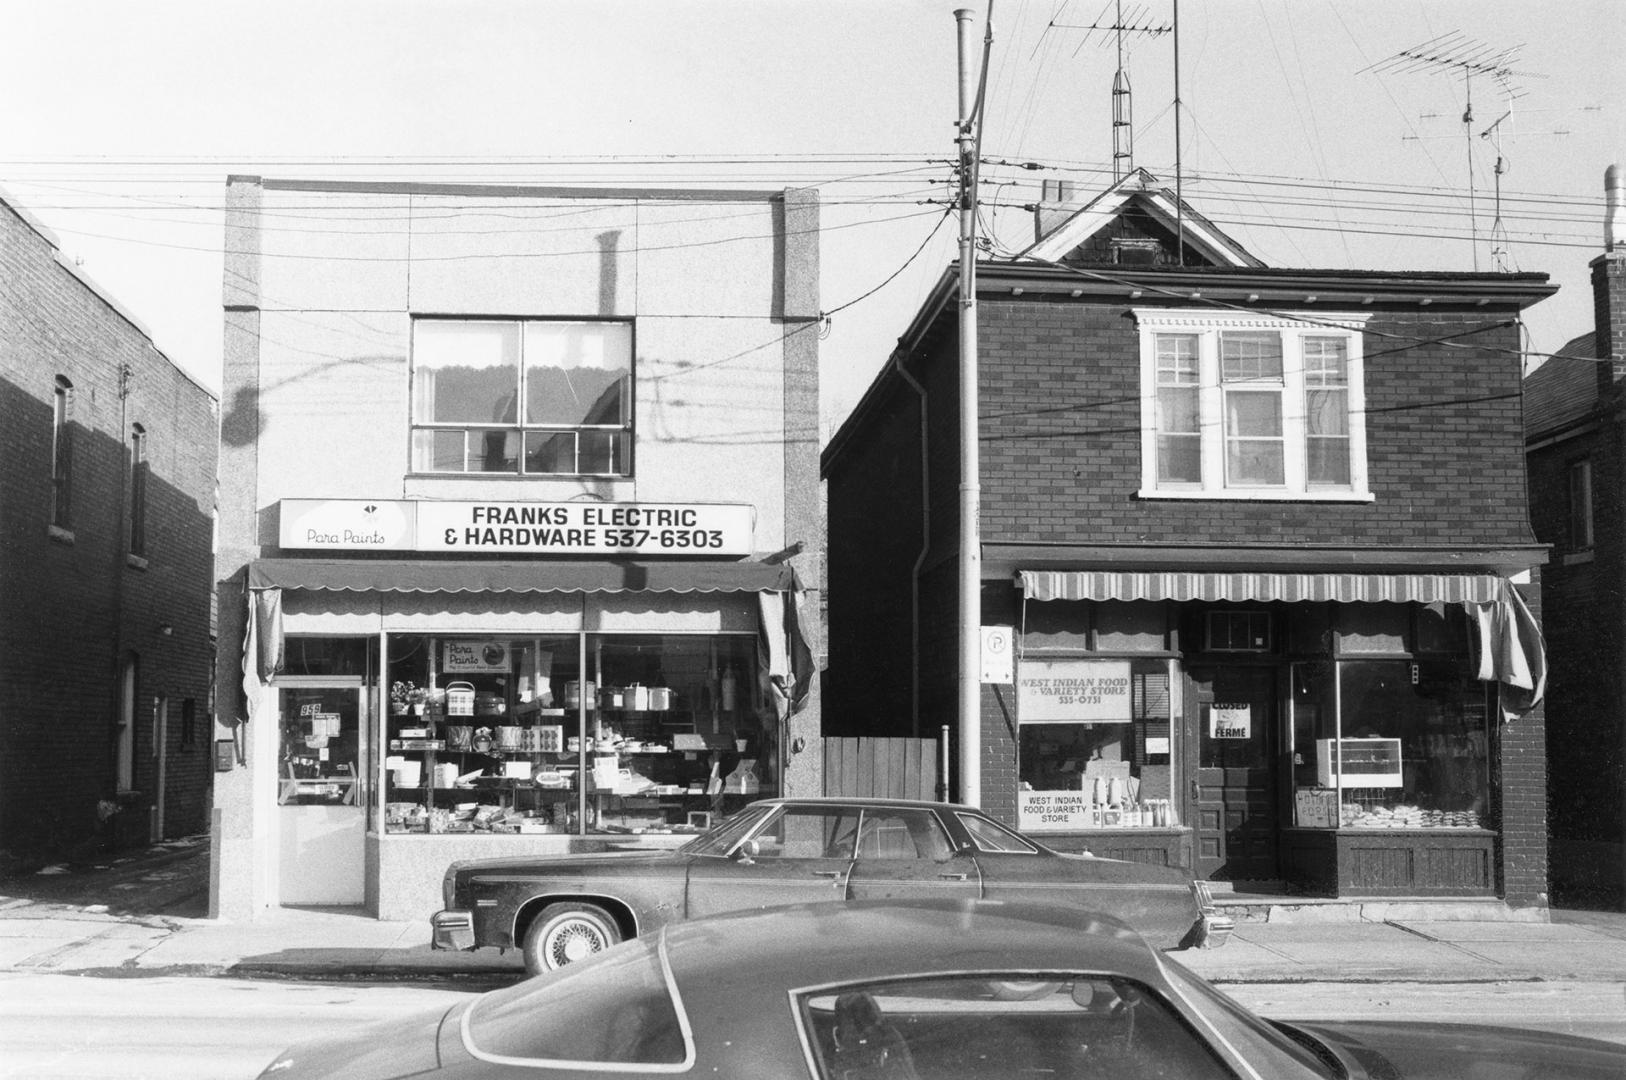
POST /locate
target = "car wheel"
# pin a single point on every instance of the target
(565, 933)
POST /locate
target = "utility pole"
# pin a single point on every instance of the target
(968, 131)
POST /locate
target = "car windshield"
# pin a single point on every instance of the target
(621, 1008)
(721, 838)
(982, 1027)
(1253, 1038)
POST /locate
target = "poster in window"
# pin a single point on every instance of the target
(1230, 721)
(1073, 691)
(476, 657)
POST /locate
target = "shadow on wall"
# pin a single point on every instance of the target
(75, 603)
(243, 423)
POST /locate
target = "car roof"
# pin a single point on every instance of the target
(830, 942)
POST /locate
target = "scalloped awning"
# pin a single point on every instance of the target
(1508, 646)
(434, 576)
(787, 661)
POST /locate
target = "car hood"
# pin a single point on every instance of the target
(383, 1051)
(1411, 1050)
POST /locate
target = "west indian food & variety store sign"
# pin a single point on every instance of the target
(509, 528)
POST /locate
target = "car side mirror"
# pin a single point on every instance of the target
(746, 853)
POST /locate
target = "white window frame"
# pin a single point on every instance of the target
(520, 427)
(1294, 328)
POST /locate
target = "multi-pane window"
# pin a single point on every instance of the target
(1326, 411)
(138, 490)
(522, 397)
(1251, 406)
(1251, 380)
(1580, 482)
(1179, 433)
(62, 455)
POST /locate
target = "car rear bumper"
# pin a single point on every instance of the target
(1212, 931)
(451, 930)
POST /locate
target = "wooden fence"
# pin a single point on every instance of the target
(882, 768)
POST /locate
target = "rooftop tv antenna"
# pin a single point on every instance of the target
(1123, 131)
(1454, 52)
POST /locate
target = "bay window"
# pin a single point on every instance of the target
(1251, 406)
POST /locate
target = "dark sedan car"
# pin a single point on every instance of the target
(912, 990)
(561, 908)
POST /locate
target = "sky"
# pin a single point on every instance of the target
(1320, 134)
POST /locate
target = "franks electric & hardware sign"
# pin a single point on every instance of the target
(538, 528)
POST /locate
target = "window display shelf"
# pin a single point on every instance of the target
(516, 735)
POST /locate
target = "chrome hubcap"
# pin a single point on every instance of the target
(573, 942)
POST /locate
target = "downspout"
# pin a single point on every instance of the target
(920, 559)
(120, 562)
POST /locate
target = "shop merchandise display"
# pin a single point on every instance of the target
(1405, 816)
(494, 753)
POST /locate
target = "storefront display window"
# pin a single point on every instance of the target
(1095, 744)
(1396, 743)
(506, 735)
(1434, 714)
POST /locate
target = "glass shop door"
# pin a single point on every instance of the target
(320, 799)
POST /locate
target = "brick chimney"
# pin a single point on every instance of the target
(1609, 287)
(1058, 200)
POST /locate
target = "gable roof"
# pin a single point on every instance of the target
(1140, 190)
(1562, 390)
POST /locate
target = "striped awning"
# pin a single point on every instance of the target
(1183, 585)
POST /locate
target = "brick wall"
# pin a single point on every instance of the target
(877, 512)
(1522, 782)
(1061, 419)
(73, 605)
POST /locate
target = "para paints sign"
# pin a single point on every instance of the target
(1073, 691)
(537, 528)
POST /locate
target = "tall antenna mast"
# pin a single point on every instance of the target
(1498, 234)
(1453, 52)
(1123, 130)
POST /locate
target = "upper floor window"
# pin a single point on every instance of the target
(1251, 406)
(522, 397)
(62, 455)
(1580, 479)
(138, 490)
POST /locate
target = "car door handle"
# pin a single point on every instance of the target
(834, 875)
(952, 877)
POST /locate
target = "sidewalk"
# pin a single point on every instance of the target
(44, 930)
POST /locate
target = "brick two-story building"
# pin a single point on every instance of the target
(106, 568)
(1575, 424)
(1261, 542)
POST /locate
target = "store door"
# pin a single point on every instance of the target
(320, 797)
(1233, 790)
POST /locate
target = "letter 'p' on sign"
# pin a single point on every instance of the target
(998, 665)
